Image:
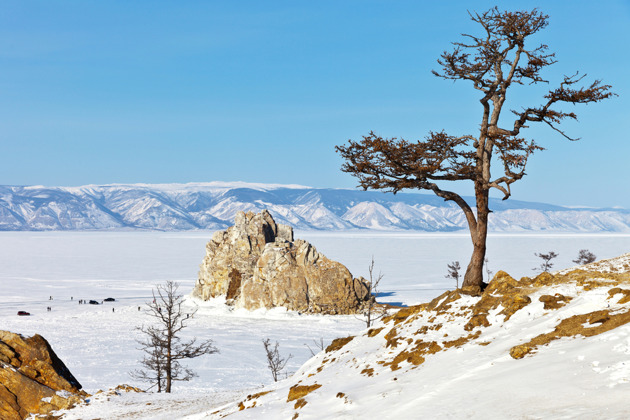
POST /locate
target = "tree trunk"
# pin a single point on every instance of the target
(169, 365)
(474, 271)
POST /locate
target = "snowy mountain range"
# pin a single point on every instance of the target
(213, 205)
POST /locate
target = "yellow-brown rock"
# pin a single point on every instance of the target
(256, 264)
(625, 294)
(518, 352)
(471, 290)
(501, 283)
(554, 302)
(543, 279)
(477, 320)
(33, 380)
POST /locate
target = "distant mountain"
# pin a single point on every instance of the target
(173, 207)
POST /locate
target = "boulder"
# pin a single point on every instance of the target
(33, 380)
(257, 264)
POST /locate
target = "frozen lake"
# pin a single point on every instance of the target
(98, 345)
(63, 264)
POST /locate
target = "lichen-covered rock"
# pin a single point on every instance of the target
(33, 380)
(256, 264)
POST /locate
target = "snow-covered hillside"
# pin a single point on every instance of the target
(213, 205)
(556, 346)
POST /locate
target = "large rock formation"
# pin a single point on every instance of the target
(257, 264)
(33, 380)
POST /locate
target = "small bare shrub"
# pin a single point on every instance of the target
(453, 272)
(546, 264)
(488, 271)
(318, 346)
(372, 311)
(585, 257)
(275, 361)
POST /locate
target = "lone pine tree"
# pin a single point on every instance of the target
(492, 62)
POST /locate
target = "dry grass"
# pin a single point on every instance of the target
(300, 391)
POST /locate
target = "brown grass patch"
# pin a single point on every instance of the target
(242, 406)
(461, 340)
(391, 338)
(257, 395)
(338, 343)
(586, 325)
(368, 371)
(374, 331)
(403, 314)
(414, 356)
(300, 391)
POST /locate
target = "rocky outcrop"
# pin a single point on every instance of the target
(33, 380)
(257, 264)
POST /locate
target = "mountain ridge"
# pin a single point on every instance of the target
(213, 205)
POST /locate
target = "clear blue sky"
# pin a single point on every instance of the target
(261, 91)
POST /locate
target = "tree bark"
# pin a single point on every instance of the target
(474, 271)
(169, 364)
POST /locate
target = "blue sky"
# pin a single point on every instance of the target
(157, 92)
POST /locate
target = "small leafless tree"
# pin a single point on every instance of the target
(453, 272)
(318, 346)
(546, 264)
(373, 312)
(488, 271)
(585, 257)
(275, 361)
(162, 345)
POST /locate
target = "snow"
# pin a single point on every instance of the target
(98, 345)
(195, 186)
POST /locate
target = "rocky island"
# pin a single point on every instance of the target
(257, 264)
